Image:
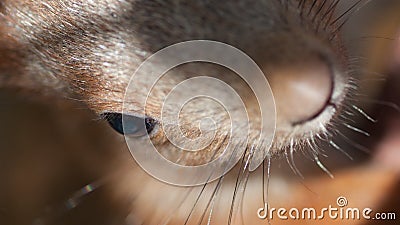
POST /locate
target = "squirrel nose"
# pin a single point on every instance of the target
(302, 90)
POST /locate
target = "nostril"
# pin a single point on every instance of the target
(302, 91)
(129, 125)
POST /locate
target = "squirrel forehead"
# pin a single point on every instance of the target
(98, 45)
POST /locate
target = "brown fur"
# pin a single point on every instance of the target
(94, 48)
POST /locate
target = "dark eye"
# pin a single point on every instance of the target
(135, 126)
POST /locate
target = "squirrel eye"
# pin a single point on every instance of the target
(134, 126)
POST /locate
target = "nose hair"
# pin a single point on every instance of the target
(301, 90)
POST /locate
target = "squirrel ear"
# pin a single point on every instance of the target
(128, 124)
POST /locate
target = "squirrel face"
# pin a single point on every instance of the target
(92, 49)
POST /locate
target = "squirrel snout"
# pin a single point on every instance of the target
(301, 91)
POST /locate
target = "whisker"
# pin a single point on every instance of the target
(238, 181)
(242, 191)
(292, 164)
(204, 186)
(371, 37)
(354, 144)
(72, 202)
(330, 9)
(319, 10)
(301, 4)
(321, 165)
(356, 129)
(317, 150)
(333, 144)
(330, 14)
(346, 12)
(265, 185)
(211, 209)
(363, 81)
(349, 113)
(364, 114)
(211, 201)
(311, 145)
(312, 7)
(379, 102)
(195, 203)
